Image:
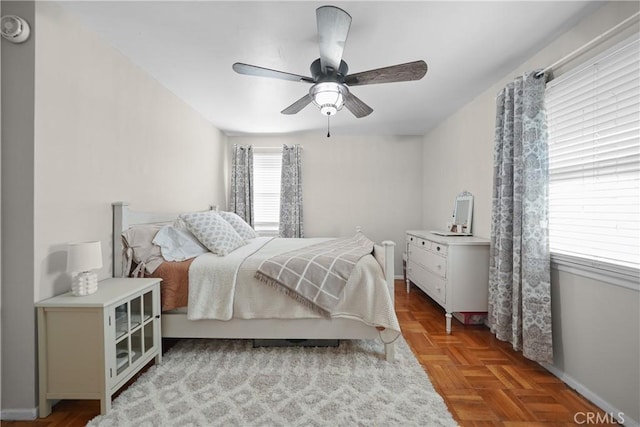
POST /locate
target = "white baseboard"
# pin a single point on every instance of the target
(27, 414)
(590, 395)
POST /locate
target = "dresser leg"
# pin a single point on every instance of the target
(408, 285)
(448, 316)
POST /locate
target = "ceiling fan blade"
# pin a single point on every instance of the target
(253, 70)
(355, 105)
(333, 28)
(297, 106)
(395, 73)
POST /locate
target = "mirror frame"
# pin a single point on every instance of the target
(465, 222)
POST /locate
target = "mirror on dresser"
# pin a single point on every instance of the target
(462, 214)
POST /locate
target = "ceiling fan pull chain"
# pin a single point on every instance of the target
(328, 125)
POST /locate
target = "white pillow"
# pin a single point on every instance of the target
(178, 244)
(213, 232)
(240, 225)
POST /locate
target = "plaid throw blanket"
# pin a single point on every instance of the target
(316, 275)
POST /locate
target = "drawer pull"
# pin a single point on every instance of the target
(423, 243)
(411, 238)
(438, 248)
(439, 267)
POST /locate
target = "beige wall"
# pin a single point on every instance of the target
(467, 136)
(103, 131)
(371, 181)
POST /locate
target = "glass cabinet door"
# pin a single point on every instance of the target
(122, 320)
(149, 338)
(122, 316)
(122, 355)
(136, 312)
(135, 330)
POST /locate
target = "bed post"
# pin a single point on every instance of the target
(388, 268)
(389, 260)
(120, 223)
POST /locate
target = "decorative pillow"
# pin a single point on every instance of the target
(213, 232)
(138, 240)
(178, 244)
(240, 225)
(180, 224)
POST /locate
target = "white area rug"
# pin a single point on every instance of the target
(230, 383)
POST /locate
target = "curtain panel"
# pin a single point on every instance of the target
(291, 192)
(519, 273)
(241, 197)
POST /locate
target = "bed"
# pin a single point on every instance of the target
(176, 323)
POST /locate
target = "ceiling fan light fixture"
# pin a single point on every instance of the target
(328, 97)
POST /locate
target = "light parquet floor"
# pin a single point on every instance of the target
(482, 380)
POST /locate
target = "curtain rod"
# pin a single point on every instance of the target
(585, 46)
(275, 148)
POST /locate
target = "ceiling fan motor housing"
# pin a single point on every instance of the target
(330, 75)
(328, 91)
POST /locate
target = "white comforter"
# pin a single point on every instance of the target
(225, 287)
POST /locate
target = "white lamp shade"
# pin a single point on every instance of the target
(84, 256)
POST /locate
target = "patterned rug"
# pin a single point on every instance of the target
(230, 383)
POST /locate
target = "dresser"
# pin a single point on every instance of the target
(452, 270)
(90, 346)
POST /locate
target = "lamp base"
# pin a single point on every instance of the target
(84, 283)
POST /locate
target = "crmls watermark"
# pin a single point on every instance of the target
(598, 418)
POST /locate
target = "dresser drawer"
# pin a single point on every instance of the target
(432, 284)
(439, 248)
(418, 242)
(429, 260)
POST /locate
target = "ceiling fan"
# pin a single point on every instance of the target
(329, 78)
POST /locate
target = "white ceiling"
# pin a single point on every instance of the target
(190, 46)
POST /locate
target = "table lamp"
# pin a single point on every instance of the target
(82, 257)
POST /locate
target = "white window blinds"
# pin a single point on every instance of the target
(267, 167)
(594, 159)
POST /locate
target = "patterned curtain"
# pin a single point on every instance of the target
(241, 198)
(291, 193)
(519, 274)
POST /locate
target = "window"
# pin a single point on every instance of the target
(267, 166)
(594, 162)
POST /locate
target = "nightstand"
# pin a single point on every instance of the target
(90, 346)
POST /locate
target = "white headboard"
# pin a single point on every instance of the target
(123, 218)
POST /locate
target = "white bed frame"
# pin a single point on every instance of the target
(176, 325)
